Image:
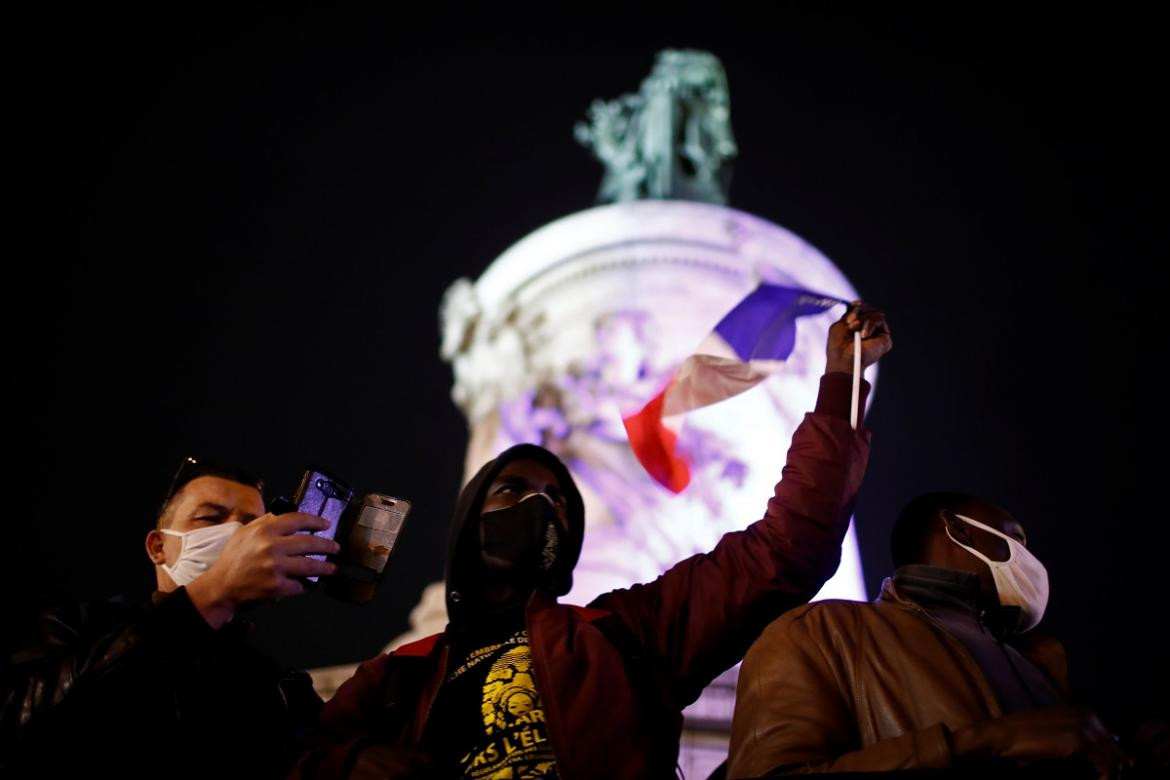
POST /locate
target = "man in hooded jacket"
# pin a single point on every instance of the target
(519, 685)
(941, 672)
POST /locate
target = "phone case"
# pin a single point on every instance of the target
(376, 530)
(325, 496)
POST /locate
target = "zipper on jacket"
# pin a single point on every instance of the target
(422, 730)
(539, 666)
(1003, 648)
(988, 692)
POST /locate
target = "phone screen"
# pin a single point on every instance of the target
(323, 496)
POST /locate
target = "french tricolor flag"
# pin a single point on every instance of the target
(748, 345)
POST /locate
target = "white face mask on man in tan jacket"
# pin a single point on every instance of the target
(1021, 581)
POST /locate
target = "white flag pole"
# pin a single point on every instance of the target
(856, 378)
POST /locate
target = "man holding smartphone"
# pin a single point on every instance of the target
(172, 686)
(519, 685)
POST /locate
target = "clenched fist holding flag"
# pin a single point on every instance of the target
(748, 345)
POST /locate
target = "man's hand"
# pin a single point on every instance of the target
(261, 562)
(875, 338)
(1043, 735)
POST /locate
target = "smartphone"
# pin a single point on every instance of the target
(323, 495)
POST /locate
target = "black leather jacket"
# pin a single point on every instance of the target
(106, 685)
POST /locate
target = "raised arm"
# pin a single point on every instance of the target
(700, 617)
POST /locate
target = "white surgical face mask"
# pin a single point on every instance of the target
(1021, 581)
(200, 549)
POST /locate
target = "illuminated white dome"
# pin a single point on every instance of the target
(594, 311)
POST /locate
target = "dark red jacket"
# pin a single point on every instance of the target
(615, 677)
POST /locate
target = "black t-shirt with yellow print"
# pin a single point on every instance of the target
(488, 719)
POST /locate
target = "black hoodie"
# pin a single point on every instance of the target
(485, 640)
(463, 548)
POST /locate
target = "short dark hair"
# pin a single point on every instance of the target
(908, 539)
(190, 469)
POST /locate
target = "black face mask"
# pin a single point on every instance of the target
(521, 542)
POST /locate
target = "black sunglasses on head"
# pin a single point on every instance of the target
(191, 468)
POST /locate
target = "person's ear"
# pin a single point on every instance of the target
(154, 547)
(956, 527)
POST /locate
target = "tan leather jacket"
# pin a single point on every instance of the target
(843, 686)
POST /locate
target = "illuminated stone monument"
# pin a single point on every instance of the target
(593, 312)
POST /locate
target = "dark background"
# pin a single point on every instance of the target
(229, 236)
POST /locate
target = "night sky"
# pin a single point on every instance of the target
(229, 237)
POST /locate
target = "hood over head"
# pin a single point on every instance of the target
(463, 561)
